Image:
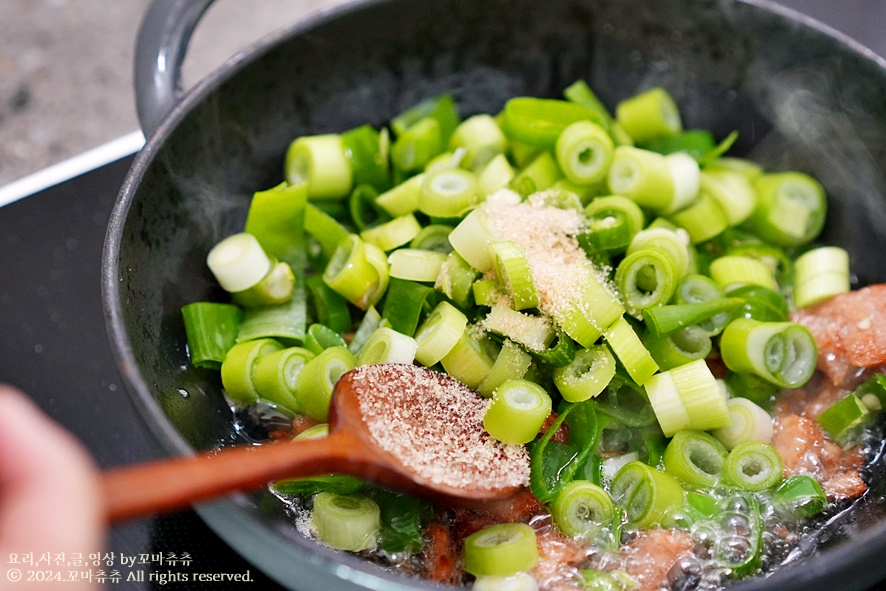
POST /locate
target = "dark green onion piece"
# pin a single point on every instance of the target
(678, 348)
(725, 144)
(695, 142)
(406, 302)
(324, 229)
(538, 121)
(339, 484)
(752, 466)
(433, 237)
(366, 149)
(553, 465)
(580, 93)
(320, 337)
(560, 354)
(695, 457)
(664, 320)
(760, 303)
(844, 418)
(799, 497)
(331, 309)
(363, 208)
(403, 519)
(540, 174)
(276, 217)
(440, 108)
(740, 526)
(626, 402)
(211, 330)
(754, 388)
(417, 146)
(695, 289)
(284, 321)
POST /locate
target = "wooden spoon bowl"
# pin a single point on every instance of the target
(401, 426)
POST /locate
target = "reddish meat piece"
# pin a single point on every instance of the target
(557, 560)
(652, 554)
(805, 449)
(441, 555)
(561, 435)
(850, 330)
(519, 508)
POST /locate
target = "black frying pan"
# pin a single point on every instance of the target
(801, 96)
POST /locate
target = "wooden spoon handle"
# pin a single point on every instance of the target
(168, 485)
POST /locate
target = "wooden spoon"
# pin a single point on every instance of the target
(401, 426)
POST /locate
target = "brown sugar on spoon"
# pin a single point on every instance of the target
(434, 426)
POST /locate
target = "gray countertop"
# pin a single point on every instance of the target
(66, 65)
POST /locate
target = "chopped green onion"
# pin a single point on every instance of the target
(502, 549)
(441, 108)
(471, 238)
(665, 400)
(331, 308)
(238, 262)
(533, 332)
(418, 145)
(517, 412)
(626, 402)
(820, 273)
(844, 418)
(439, 333)
(538, 175)
(592, 309)
(749, 423)
(467, 361)
(321, 162)
(276, 287)
(753, 466)
(686, 177)
(320, 337)
(538, 122)
(702, 219)
(613, 221)
(386, 345)
(579, 92)
(697, 289)
(456, 280)
(645, 493)
(732, 191)
(497, 174)
(351, 523)
(367, 151)
(211, 331)
(695, 457)
(598, 580)
(511, 363)
(324, 229)
(643, 176)
(693, 142)
(276, 218)
(665, 320)
(584, 152)
(746, 168)
(317, 379)
(670, 241)
(582, 508)
(760, 303)
(735, 271)
(701, 395)
(679, 347)
(447, 193)
(286, 321)
(799, 496)
(352, 273)
(405, 304)
(646, 278)
(783, 353)
(487, 292)
(586, 375)
(416, 265)
(275, 376)
(791, 209)
(649, 115)
(481, 138)
(629, 349)
(513, 271)
(394, 233)
(237, 370)
(402, 199)
(433, 237)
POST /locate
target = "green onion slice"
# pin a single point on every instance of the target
(749, 423)
(211, 329)
(581, 508)
(584, 152)
(517, 412)
(513, 271)
(317, 379)
(695, 457)
(753, 466)
(439, 333)
(783, 353)
(448, 193)
(586, 375)
(386, 345)
(321, 162)
(237, 370)
(275, 376)
(346, 522)
(512, 363)
(238, 262)
(646, 278)
(501, 550)
(792, 208)
(629, 349)
(645, 493)
(649, 115)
